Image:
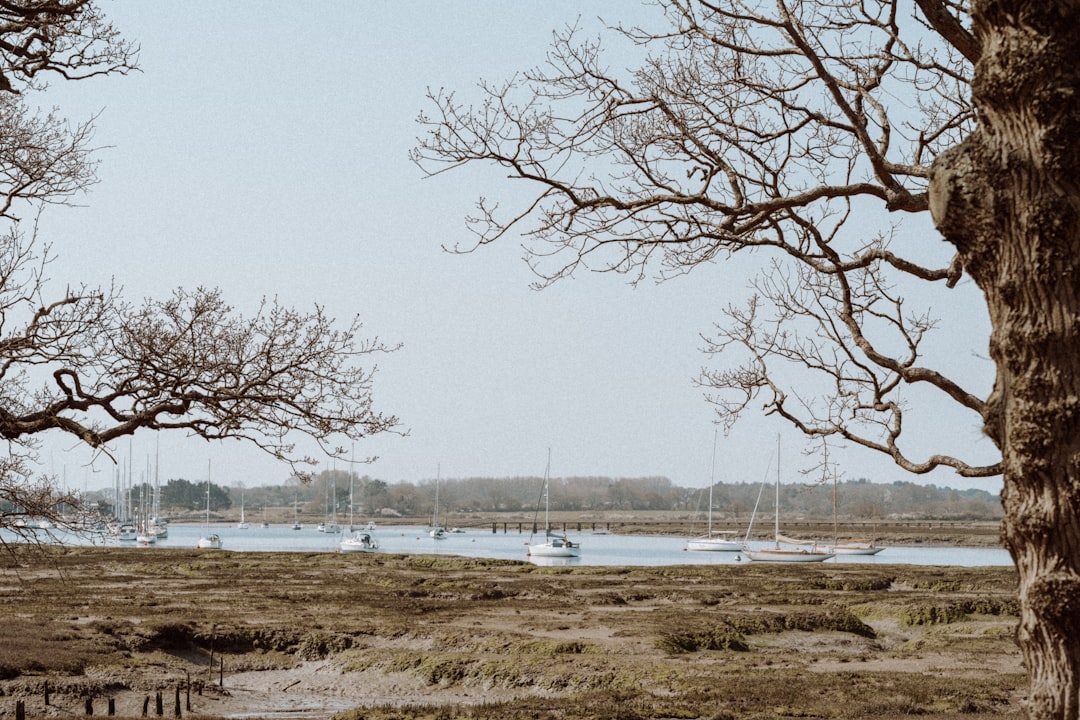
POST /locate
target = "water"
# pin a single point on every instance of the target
(597, 549)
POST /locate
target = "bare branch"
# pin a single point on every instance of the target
(744, 126)
(85, 363)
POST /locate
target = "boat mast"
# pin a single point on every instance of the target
(208, 495)
(777, 526)
(352, 476)
(547, 494)
(438, 474)
(712, 479)
(157, 480)
(835, 508)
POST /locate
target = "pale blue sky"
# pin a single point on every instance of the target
(264, 149)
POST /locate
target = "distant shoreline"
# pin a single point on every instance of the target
(922, 532)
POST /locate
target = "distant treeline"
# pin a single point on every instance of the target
(857, 500)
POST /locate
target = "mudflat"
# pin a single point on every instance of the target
(227, 634)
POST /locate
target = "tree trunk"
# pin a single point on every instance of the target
(1008, 199)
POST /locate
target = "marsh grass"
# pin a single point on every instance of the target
(711, 642)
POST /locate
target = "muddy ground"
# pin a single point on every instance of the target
(393, 636)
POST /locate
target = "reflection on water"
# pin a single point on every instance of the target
(597, 549)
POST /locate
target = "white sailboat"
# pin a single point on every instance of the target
(358, 540)
(145, 531)
(125, 528)
(848, 546)
(330, 524)
(554, 545)
(209, 540)
(782, 554)
(242, 525)
(158, 523)
(854, 546)
(720, 540)
(437, 531)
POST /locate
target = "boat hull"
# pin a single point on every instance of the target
(853, 550)
(359, 543)
(555, 548)
(788, 556)
(209, 542)
(714, 545)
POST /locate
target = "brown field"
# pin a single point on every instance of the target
(392, 636)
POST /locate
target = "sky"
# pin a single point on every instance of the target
(263, 149)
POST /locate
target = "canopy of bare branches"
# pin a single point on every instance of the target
(85, 362)
(747, 126)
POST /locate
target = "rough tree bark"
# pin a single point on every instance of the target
(1008, 198)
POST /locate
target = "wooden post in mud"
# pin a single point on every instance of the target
(20, 710)
(187, 686)
(89, 705)
(159, 705)
(145, 705)
(46, 693)
(221, 672)
(112, 707)
(176, 705)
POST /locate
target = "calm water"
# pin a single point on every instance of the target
(598, 549)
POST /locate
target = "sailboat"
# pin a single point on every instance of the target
(144, 531)
(243, 521)
(848, 546)
(209, 540)
(329, 525)
(362, 540)
(721, 540)
(437, 531)
(159, 526)
(554, 545)
(125, 529)
(296, 524)
(777, 553)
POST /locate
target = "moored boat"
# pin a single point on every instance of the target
(718, 540)
(359, 541)
(854, 547)
(813, 553)
(554, 545)
(209, 540)
(437, 531)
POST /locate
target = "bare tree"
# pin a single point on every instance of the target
(807, 132)
(85, 362)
